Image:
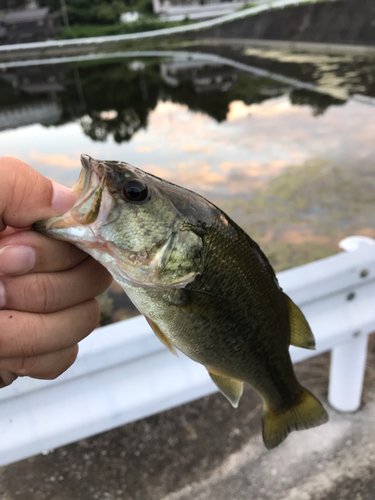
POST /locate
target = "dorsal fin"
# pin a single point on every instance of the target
(231, 387)
(160, 335)
(300, 331)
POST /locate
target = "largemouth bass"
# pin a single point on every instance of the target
(203, 284)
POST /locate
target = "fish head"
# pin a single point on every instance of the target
(145, 231)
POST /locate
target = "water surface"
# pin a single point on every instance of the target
(284, 142)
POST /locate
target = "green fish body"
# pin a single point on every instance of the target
(203, 284)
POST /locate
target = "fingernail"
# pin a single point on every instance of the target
(63, 198)
(16, 259)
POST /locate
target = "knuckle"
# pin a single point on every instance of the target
(68, 255)
(41, 293)
(32, 330)
(25, 365)
(23, 337)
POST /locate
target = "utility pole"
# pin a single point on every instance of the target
(64, 13)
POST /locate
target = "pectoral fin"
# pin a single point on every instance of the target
(160, 335)
(300, 331)
(231, 387)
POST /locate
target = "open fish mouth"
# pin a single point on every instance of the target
(82, 186)
(90, 177)
(90, 186)
(93, 203)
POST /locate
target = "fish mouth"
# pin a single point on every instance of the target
(83, 184)
(90, 177)
(90, 186)
(89, 207)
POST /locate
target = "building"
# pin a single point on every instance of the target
(177, 10)
(31, 25)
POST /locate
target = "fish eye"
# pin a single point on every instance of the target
(134, 190)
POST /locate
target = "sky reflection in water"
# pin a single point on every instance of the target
(231, 158)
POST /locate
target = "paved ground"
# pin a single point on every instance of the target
(207, 451)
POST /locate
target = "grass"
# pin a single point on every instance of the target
(145, 23)
(248, 6)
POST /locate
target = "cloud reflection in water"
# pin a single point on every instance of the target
(220, 160)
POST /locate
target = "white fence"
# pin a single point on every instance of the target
(123, 373)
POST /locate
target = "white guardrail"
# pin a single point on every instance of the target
(123, 373)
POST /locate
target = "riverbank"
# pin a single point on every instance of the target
(347, 23)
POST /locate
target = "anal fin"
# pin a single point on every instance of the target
(232, 388)
(163, 338)
(300, 331)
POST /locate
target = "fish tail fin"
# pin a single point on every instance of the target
(307, 413)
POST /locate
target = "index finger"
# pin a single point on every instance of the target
(26, 196)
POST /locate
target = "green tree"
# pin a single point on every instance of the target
(82, 12)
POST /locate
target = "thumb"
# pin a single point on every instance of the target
(26, 196)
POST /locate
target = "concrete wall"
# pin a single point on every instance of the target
(341, 21)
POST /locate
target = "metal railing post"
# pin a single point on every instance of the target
(348, 363)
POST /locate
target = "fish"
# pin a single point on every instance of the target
(204, 286)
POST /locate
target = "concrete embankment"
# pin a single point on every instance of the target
(339, 22)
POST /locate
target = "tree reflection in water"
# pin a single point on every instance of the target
(114, 98)
(317, 101)
(117, 100)
(121, 127)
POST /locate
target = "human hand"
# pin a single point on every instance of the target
(47, 287)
